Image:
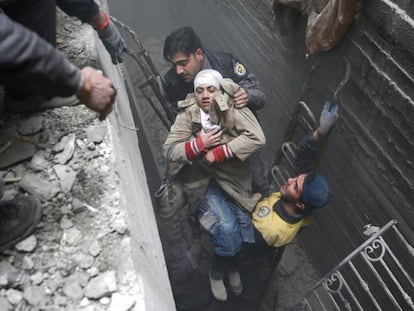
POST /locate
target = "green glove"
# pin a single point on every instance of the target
(328, 118)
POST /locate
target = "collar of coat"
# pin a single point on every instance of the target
(221, 103)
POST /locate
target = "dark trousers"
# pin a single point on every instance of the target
(36, 15)
(40, 17)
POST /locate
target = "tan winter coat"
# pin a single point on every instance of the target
(241, 132)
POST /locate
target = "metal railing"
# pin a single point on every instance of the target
(372, 277)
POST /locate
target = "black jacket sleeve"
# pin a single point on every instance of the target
(306, 154)
(85, 10)
(30, 63)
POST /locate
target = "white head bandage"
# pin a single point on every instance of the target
(210, 77)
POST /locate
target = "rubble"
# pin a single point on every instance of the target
(71, 261)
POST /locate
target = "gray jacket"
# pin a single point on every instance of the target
(30, 63)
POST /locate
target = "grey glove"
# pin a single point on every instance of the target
(113, 42)
(328, 118)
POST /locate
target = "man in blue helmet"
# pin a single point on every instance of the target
(279, 217)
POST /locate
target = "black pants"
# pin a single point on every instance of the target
(36, 15)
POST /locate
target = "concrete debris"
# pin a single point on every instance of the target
(36, 296)
(101, 285)
(71, 262)
(66, 176)
(36, 184)
(5, 305)
(121, 302)
(18, 151)
(27, 245)
(96, 134)
(65, 149)
(27, 263)
(31, 126)
(39, 162)
(14, 296)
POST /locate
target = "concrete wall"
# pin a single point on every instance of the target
(369, 156)
(147, 253)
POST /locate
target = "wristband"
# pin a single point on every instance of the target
(105, 23)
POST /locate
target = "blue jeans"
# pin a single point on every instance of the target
(226, 222)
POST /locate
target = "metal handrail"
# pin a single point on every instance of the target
(369, 254)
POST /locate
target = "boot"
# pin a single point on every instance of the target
(34, 103)
(236, 285)
(217, 288)
(18, 219)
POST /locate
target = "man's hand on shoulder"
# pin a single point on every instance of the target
(241, 98)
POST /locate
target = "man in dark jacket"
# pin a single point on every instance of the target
(183, 49)
(33, 71)
(31, 67)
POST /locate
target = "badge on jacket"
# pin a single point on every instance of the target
(263, 211)
(239, 70)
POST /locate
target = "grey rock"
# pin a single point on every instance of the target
(77, 206)
(27, 245)
(119, 226)
(66, 176)
(35, 295)
(72, 236)
(84, 302)
(14, 296)
(101, 285)
(5, 305)
(66, 209)
(39, 163)
(104, 301)
(3, 280)
(31, 126)
(91, 146)
(66, 148)
(37, 278)
(18, 151)
(9, 193)
(96, 134)
(27, 263)
(65, 223)
(54, 282)
(17, 278)
(6, 268)
(121, 302)
(81, 277)
(35, 184)
(95, 248)
(72, 289)
(60, 300)
(80, 143)
(93, 271)
(83, 261)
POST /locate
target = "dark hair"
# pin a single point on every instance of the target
(182, 40)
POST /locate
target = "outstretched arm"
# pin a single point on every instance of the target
(88, 12)
(36, 66)
(308, 149)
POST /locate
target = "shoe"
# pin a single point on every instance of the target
(34, 103)
(218, 289)
(236, 285)
(18, 219)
